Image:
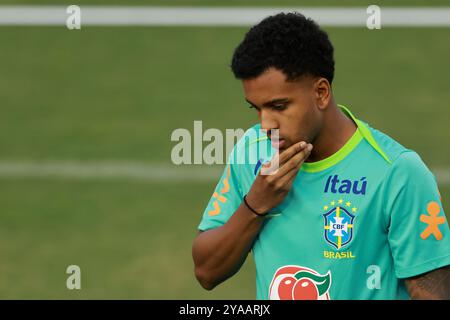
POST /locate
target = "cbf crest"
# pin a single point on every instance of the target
(339, 223)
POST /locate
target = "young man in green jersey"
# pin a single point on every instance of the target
(349, 214)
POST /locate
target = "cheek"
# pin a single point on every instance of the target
(297, 126)
(311, 124)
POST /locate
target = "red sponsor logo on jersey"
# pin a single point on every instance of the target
(299, 283)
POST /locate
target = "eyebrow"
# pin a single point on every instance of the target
(271, 102)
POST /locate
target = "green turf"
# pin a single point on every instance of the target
(131, 240)
(117, 93)
(120, 92)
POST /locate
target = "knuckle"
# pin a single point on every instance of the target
(279, 186)
(291, 164)
(270, 181)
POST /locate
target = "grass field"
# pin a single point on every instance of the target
(117, 94)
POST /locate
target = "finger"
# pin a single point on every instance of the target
(295, 162)
(279, 160)
(288, 179)
(291, 151)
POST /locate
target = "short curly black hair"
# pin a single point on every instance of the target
(289, 42)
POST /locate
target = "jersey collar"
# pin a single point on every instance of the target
(362, 132)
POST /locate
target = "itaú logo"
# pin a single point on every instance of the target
(299, 283)
(334, 185)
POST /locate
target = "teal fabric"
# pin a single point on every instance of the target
(352, 230)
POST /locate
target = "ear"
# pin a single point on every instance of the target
(322, 90)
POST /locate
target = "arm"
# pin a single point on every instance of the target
(434, 285)
(418, 232)
(219, 253)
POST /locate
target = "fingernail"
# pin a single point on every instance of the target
(310, 146)
(302, 144)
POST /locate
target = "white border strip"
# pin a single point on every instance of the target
(200, 16)
(153, 172)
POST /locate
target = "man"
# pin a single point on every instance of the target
(349, 214)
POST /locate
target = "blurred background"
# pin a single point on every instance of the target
(73, 103)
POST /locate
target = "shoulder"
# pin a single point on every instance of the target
(409, 162)
(253, 146)
(250, 136)
(408, 175)
(400, 157)
(409, 172)
(396, 165)
(391, 147)
(403, 160)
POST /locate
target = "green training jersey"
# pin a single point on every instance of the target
(353, 226)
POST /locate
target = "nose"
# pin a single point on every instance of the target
(268, 121)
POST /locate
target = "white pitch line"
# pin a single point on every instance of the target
(442, 175)
(152, 172)
(156, 172)
(216, 16)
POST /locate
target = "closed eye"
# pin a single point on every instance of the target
(279, 107)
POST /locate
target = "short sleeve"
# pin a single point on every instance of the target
(418, 231)
(226, 198)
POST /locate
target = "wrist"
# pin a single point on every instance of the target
(257, 211)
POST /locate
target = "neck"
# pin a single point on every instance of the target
(336, 131)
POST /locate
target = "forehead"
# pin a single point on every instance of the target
(271, 84)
